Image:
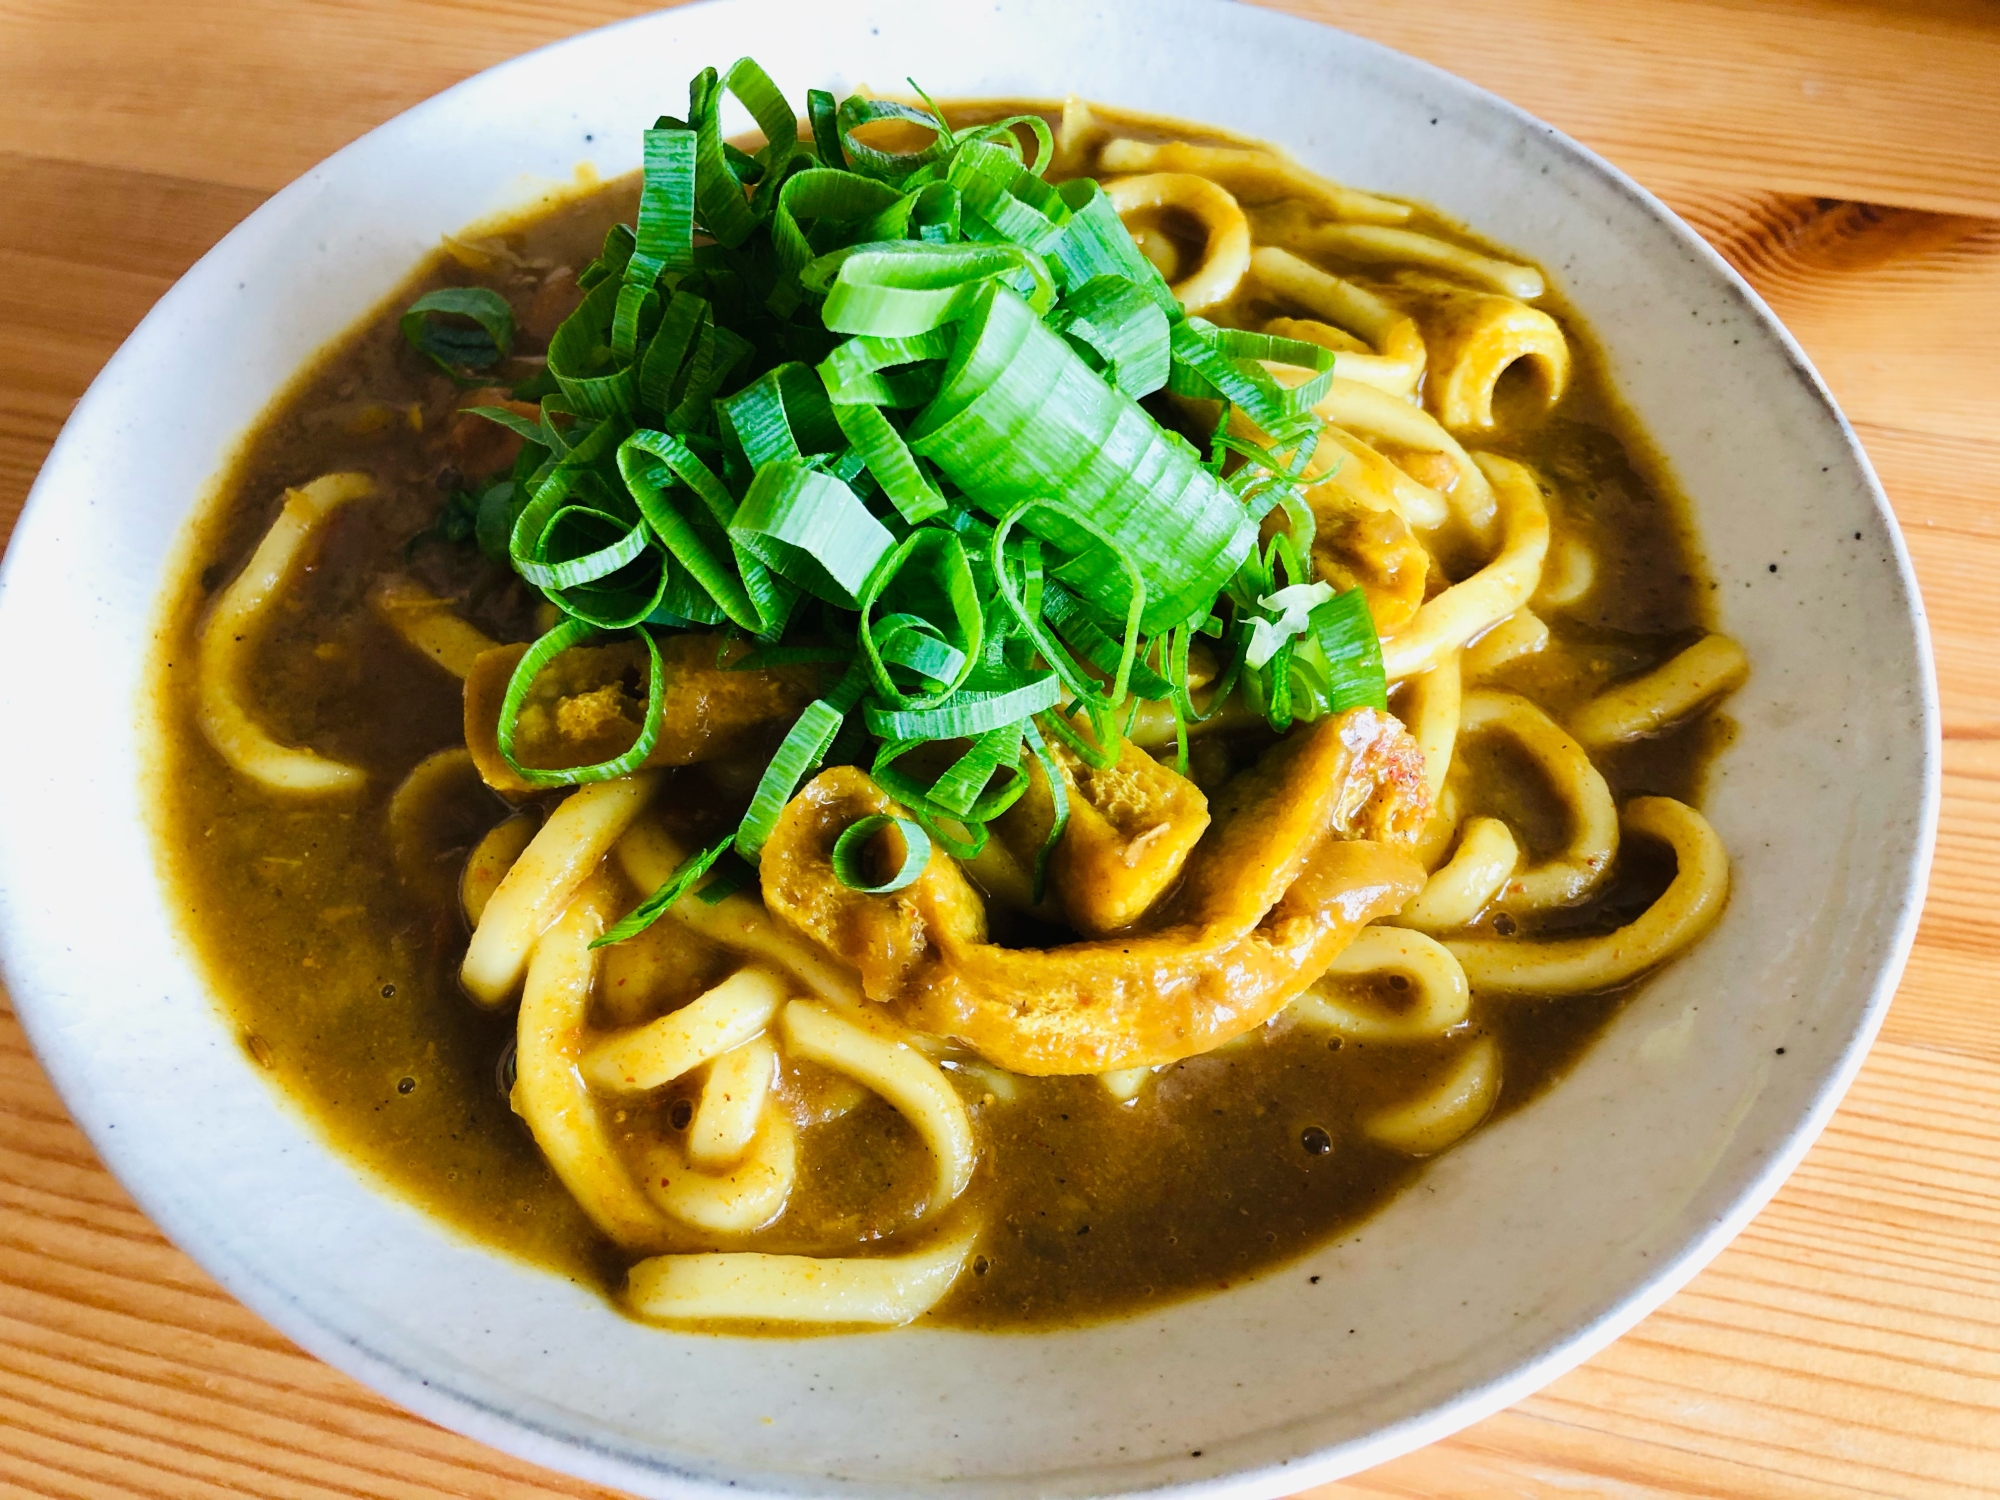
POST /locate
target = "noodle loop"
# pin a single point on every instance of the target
(1580, 866)
(1581, 966)
(237, 624)
(1225, 257)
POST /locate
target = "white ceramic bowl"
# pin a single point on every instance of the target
(1520, 1254)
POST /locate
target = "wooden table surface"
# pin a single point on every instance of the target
(1843, 154)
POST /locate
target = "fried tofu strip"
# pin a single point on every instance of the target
(1306, 849)
(586, 706)
(1130, 831)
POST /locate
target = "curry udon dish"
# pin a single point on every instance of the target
(993, 715)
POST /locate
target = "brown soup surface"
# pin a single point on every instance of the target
(338, 961)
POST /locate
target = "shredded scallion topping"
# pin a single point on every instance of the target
(879, 412)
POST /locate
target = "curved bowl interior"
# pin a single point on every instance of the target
(1520, 1253)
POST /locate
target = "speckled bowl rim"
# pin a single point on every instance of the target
(563, 1447)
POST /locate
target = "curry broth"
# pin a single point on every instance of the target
(340, 969)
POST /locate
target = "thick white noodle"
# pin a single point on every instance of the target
(644, 1058)
(1397, 358)
(1446, 1112)
(428, 625)
(1379, 418)
(1474, 341)
(747, 1287)
(491, 859)
(1374, 245)
(1439, 999)
(1429, 707)
(549, 1093)
(1567, 576)
(732, 1099)
(869, 1052)
(738, 1199)
(984, 1078)
(537, 887)
(1466, 884)
(1250, 172)
(1675, 690)
(1572, 873)
(1123, 1084)
(1358, 469)
(1357, 360)
(1521, 634)
(1430, 711)
(649, 856)
(1225, 256)
(1580, 966)
(1462, 611)
(235, 625)
(416, 860)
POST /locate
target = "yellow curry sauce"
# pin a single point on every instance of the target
(339, 965)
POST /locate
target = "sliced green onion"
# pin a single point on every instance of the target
(1021, 417)
(928, 580)
(961, 788)
(812, 530)
(569, 633)
(1291, 616)
(611, 261)
(851, 848)
(453, 347)
(596, 382)
(1344, 631)
(655, 906)
(856, 111)
(1222, 364)
(534, 432)
(944, 333)
(891, 463)
(681, 323)
(966, 713)
(1018, 205)
(849, 373)
(1095, 242)
(1059, 798)
(653, 464)
(665, 237)
(1073, 623)
(804, 747)
(826, 194)
(1125, 328)
(736, 873)
(822, 112)
(897, 288)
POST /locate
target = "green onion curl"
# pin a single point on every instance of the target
(850, 849)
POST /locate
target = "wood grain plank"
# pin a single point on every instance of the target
(1884, 102)
(1894, 305)
(85, 252)
(1848, 1343)
(249, 94)
(1843, 1346)
(121, 1359)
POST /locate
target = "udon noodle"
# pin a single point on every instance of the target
(811, 1101)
